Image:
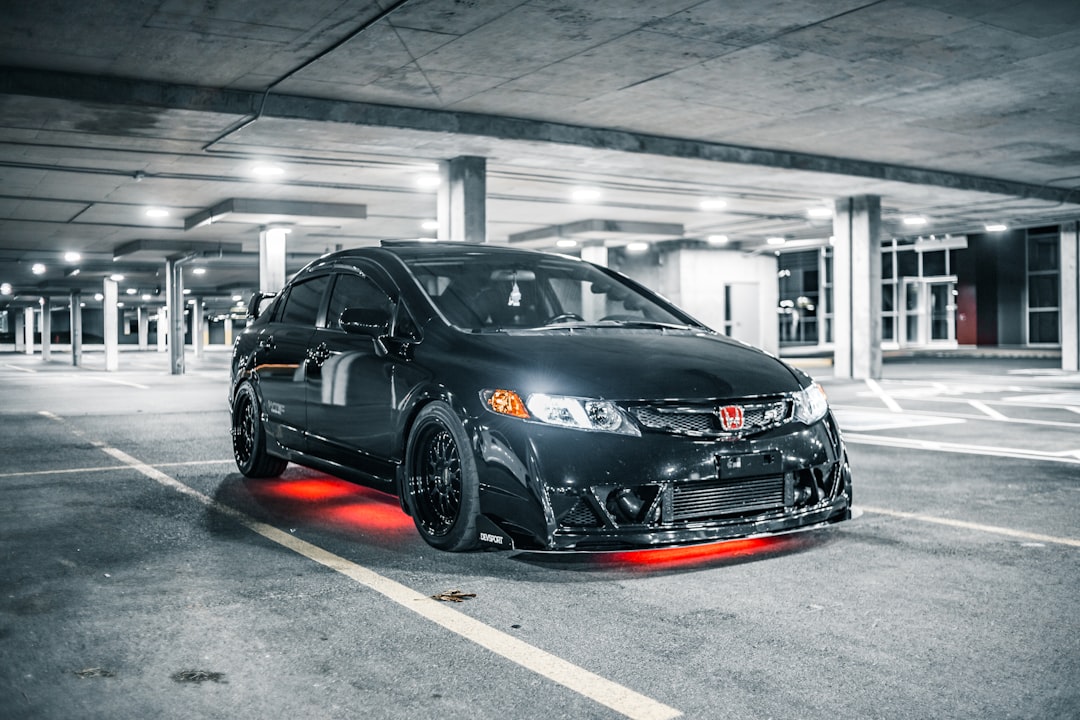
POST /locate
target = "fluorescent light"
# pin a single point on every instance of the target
(187, 291)
(99, 297)
(72, 256)
(199, 271)
(712, 204)
(996, 227)
(585, 194)
(566, 243)
(635, 247)
(146, 296)
(428, 181)
(131, 291)
(430, 225)
(38, 269)
(819, 212)
(157, 212)
(717, 239)
(116, 277)
(267, 171)
(237, 298)
(915, 220)
(6, 289)
(775, 240)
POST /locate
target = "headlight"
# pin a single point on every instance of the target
(570, 412)
(810, 404)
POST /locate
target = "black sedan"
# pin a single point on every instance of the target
(522, 399)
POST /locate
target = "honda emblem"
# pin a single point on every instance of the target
(731, 417)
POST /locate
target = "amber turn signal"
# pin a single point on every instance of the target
(506, 402)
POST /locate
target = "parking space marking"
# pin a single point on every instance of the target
(987, 410)
(617, 697)
(16, 367)
(883, 396)
(1066, 456)
(964, 524)
(865, 420)
(76, 471)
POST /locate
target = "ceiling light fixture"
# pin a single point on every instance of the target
(915, 220)
(820, 212)
(585, 194)
(717, 239)
(712, 204)
(116, 277)
(6, 289)
(199, 271)
(428, 181)
(38, 269)
(72, 256)
(155, 212)
(430, 225)
(267, 171)
(776, 240)
(996, 227)
(566, 243)
(131, 291)
(636, 247)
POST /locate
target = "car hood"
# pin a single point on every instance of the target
(623, 364)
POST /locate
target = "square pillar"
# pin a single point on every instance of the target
(1070, 296)
(76, 328)
(20, 331)
(857, 288)
(197, 327)
(272, 259)
(462, 200)
(28, 328)
(112, 325)
(46, 329)
(144, 328)
(174, 296)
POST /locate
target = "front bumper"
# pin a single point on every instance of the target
(559, 489)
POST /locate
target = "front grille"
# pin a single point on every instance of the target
(581, 515)
(697, 501)
(704, 420)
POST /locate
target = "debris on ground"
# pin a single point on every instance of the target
(94, 672)
(453, 596)
(198, 676)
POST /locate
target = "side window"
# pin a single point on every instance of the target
(302, 304)
(354, 291)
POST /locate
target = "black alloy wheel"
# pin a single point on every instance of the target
(249, 437)
(442, 482)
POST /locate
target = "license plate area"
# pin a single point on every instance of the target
(736, 467)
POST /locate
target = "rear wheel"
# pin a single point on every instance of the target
(249, 437)
(442, 483)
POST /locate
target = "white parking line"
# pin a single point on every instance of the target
(987, 410)
(107, 468)
(1066, 456)
(16, 367)
(883, 396)
(1036, 537)
(601, 690)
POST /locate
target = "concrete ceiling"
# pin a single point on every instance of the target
(963, 111)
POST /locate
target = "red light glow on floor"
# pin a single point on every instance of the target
(326, 501)
(711, 553)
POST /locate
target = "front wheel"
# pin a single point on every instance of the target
(249, 437)
(442, 484)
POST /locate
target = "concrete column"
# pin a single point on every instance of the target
(196, 326)
(112, 325)
(1070, 296)
(46, 329)
(20, 331)
(162, 329)
(144, 328)
(76, 328)
(857, 288)
(228, 331)
(593, 307)
(272, 259)
(462, 201)
(28, 328)
(174, 296)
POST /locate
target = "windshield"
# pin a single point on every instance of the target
(481, 292)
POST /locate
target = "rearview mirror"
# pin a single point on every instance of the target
(258, 302)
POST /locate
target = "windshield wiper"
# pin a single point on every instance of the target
(652, 324)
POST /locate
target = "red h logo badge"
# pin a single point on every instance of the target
(731, 417)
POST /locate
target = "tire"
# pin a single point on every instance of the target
(249, 437)
(441, 480)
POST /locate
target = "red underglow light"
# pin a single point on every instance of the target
(332, 503)
(691, 555)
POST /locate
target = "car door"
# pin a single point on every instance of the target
(281, 359)
(351, 386)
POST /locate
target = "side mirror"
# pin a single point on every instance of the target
(373, 323)
(257, 303)
(365, 321)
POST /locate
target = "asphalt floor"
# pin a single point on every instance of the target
(141, 576)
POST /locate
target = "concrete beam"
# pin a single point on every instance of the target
(122, 91)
